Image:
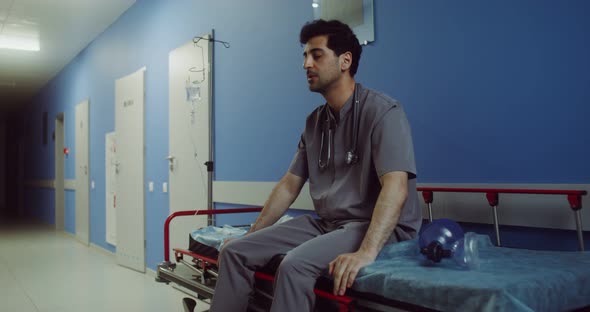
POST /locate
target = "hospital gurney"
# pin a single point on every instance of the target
(508, 280)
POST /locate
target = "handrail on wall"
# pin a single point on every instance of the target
(574, 198)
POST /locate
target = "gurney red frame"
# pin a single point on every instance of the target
(204, 265)
(574, 198)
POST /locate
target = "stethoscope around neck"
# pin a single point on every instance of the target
(326, 157)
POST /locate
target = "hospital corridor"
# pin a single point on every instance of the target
(291, 156)
(42, 270)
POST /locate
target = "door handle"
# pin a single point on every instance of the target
(170, 159)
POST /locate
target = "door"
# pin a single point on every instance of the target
(189, 135)
(129, 127)
(59, 173)
(110, 188)
(82, 169)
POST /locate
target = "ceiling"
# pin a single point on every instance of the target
(63, 27)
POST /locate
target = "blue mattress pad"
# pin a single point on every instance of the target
(507, 280)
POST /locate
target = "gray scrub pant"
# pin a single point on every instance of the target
(310, 245)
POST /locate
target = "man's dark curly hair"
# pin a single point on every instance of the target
(340, 39)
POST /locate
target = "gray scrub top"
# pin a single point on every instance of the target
(343, 193)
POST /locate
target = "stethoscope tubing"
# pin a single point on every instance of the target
(351, 156)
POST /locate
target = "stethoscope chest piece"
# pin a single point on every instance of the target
(351, 157)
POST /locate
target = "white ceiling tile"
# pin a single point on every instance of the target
(64, 28)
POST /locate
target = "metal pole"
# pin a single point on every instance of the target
(211, 219)
(578, 216)
(496, 227)
(430, 212)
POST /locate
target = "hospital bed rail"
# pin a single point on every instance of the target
(574, 198)
(208, 212)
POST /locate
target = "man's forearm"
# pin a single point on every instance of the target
(281, 197)
(385, 215)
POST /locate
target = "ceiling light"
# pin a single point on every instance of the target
(19, 43)
(315, 5)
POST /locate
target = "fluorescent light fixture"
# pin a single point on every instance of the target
(19, 43)
(315, 5)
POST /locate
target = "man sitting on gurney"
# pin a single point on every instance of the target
(357, 152)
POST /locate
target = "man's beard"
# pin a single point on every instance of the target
(322, 86)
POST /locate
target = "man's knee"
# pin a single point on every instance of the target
(230, 250)
(295, 266)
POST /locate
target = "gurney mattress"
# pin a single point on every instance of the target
(508, 279)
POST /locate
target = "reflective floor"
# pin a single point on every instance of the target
(42, 270)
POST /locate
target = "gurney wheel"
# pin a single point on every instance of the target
(189, 304)
(167, 265)
(161, 280)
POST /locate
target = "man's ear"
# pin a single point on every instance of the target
(345, 61)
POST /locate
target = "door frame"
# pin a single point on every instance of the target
(59, 182)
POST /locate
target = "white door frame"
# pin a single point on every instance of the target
(59, 172)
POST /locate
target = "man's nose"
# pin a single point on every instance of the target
(307, 62)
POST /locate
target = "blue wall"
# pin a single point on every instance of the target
(496, 92)
(70, 212)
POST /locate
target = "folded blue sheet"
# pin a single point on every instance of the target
(214, 236)
(507, 280)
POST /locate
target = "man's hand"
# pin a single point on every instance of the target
(392, 196)
(345, 268)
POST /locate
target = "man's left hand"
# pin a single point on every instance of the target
(345, 268)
